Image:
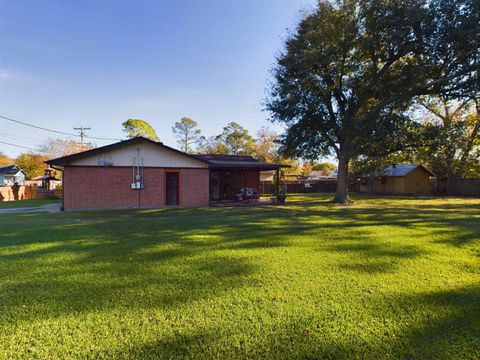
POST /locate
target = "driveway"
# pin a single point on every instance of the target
(51, 208)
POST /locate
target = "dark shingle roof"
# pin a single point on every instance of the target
(9, 170)
(213, 161)
(235, 161)
(402, 169)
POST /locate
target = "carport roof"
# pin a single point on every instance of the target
(215, 161)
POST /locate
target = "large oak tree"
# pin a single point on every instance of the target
(351, 69)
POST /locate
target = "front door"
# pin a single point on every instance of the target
(215, 185)
(172, 188)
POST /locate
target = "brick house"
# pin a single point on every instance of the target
(141, 173)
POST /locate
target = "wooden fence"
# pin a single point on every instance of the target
(28, 192)
(323, 186)
(12, 193)
(462, 187)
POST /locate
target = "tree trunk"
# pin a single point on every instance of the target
(341, 196)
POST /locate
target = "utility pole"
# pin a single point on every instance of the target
(82, 132)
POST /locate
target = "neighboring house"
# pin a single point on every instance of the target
(11, 175)
(141, 173)
(47, 181)
(399, 179)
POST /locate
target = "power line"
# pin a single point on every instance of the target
(21, 142)
(17, 137)
(35, 126)
(54, 131)
(82, 132)
(20, 146)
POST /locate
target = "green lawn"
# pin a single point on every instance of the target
(26, 203)
(388, 277)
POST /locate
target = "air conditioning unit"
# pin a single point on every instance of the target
(105, 163)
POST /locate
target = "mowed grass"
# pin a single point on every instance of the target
(387, 277)
(26, 203)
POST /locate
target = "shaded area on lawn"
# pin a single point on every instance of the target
(385, 261)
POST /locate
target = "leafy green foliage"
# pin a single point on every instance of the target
(32, 164)
(352, 69)
(234, 140)
(388, 277)
(326, 167)
(455, 142)
(187, 133)
(450, 145)
(266, 146)
(137, 127)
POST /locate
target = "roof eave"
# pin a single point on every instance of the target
(62, 161)
(252, 167)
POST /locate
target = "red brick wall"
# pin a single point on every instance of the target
(197, 183)
(109, 187)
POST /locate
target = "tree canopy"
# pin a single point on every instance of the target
(53, 148)
(451, 141)
(352, 69)
(32, 164)
(187, 133)
(454, 146)
(266, 146)
(233, 140)
(236, 140)
(326, 167)
(5, 160)
(137, 127)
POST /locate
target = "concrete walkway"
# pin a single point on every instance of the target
(50, 208)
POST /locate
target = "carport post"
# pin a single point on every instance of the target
(277, 181)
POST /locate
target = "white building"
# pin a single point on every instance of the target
(11, 175)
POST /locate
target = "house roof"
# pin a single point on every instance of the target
(45, 177)
(65, 159)
(215, 161)
(402, 169)
(9, 170)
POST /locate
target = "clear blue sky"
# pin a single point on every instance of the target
(98, 63)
